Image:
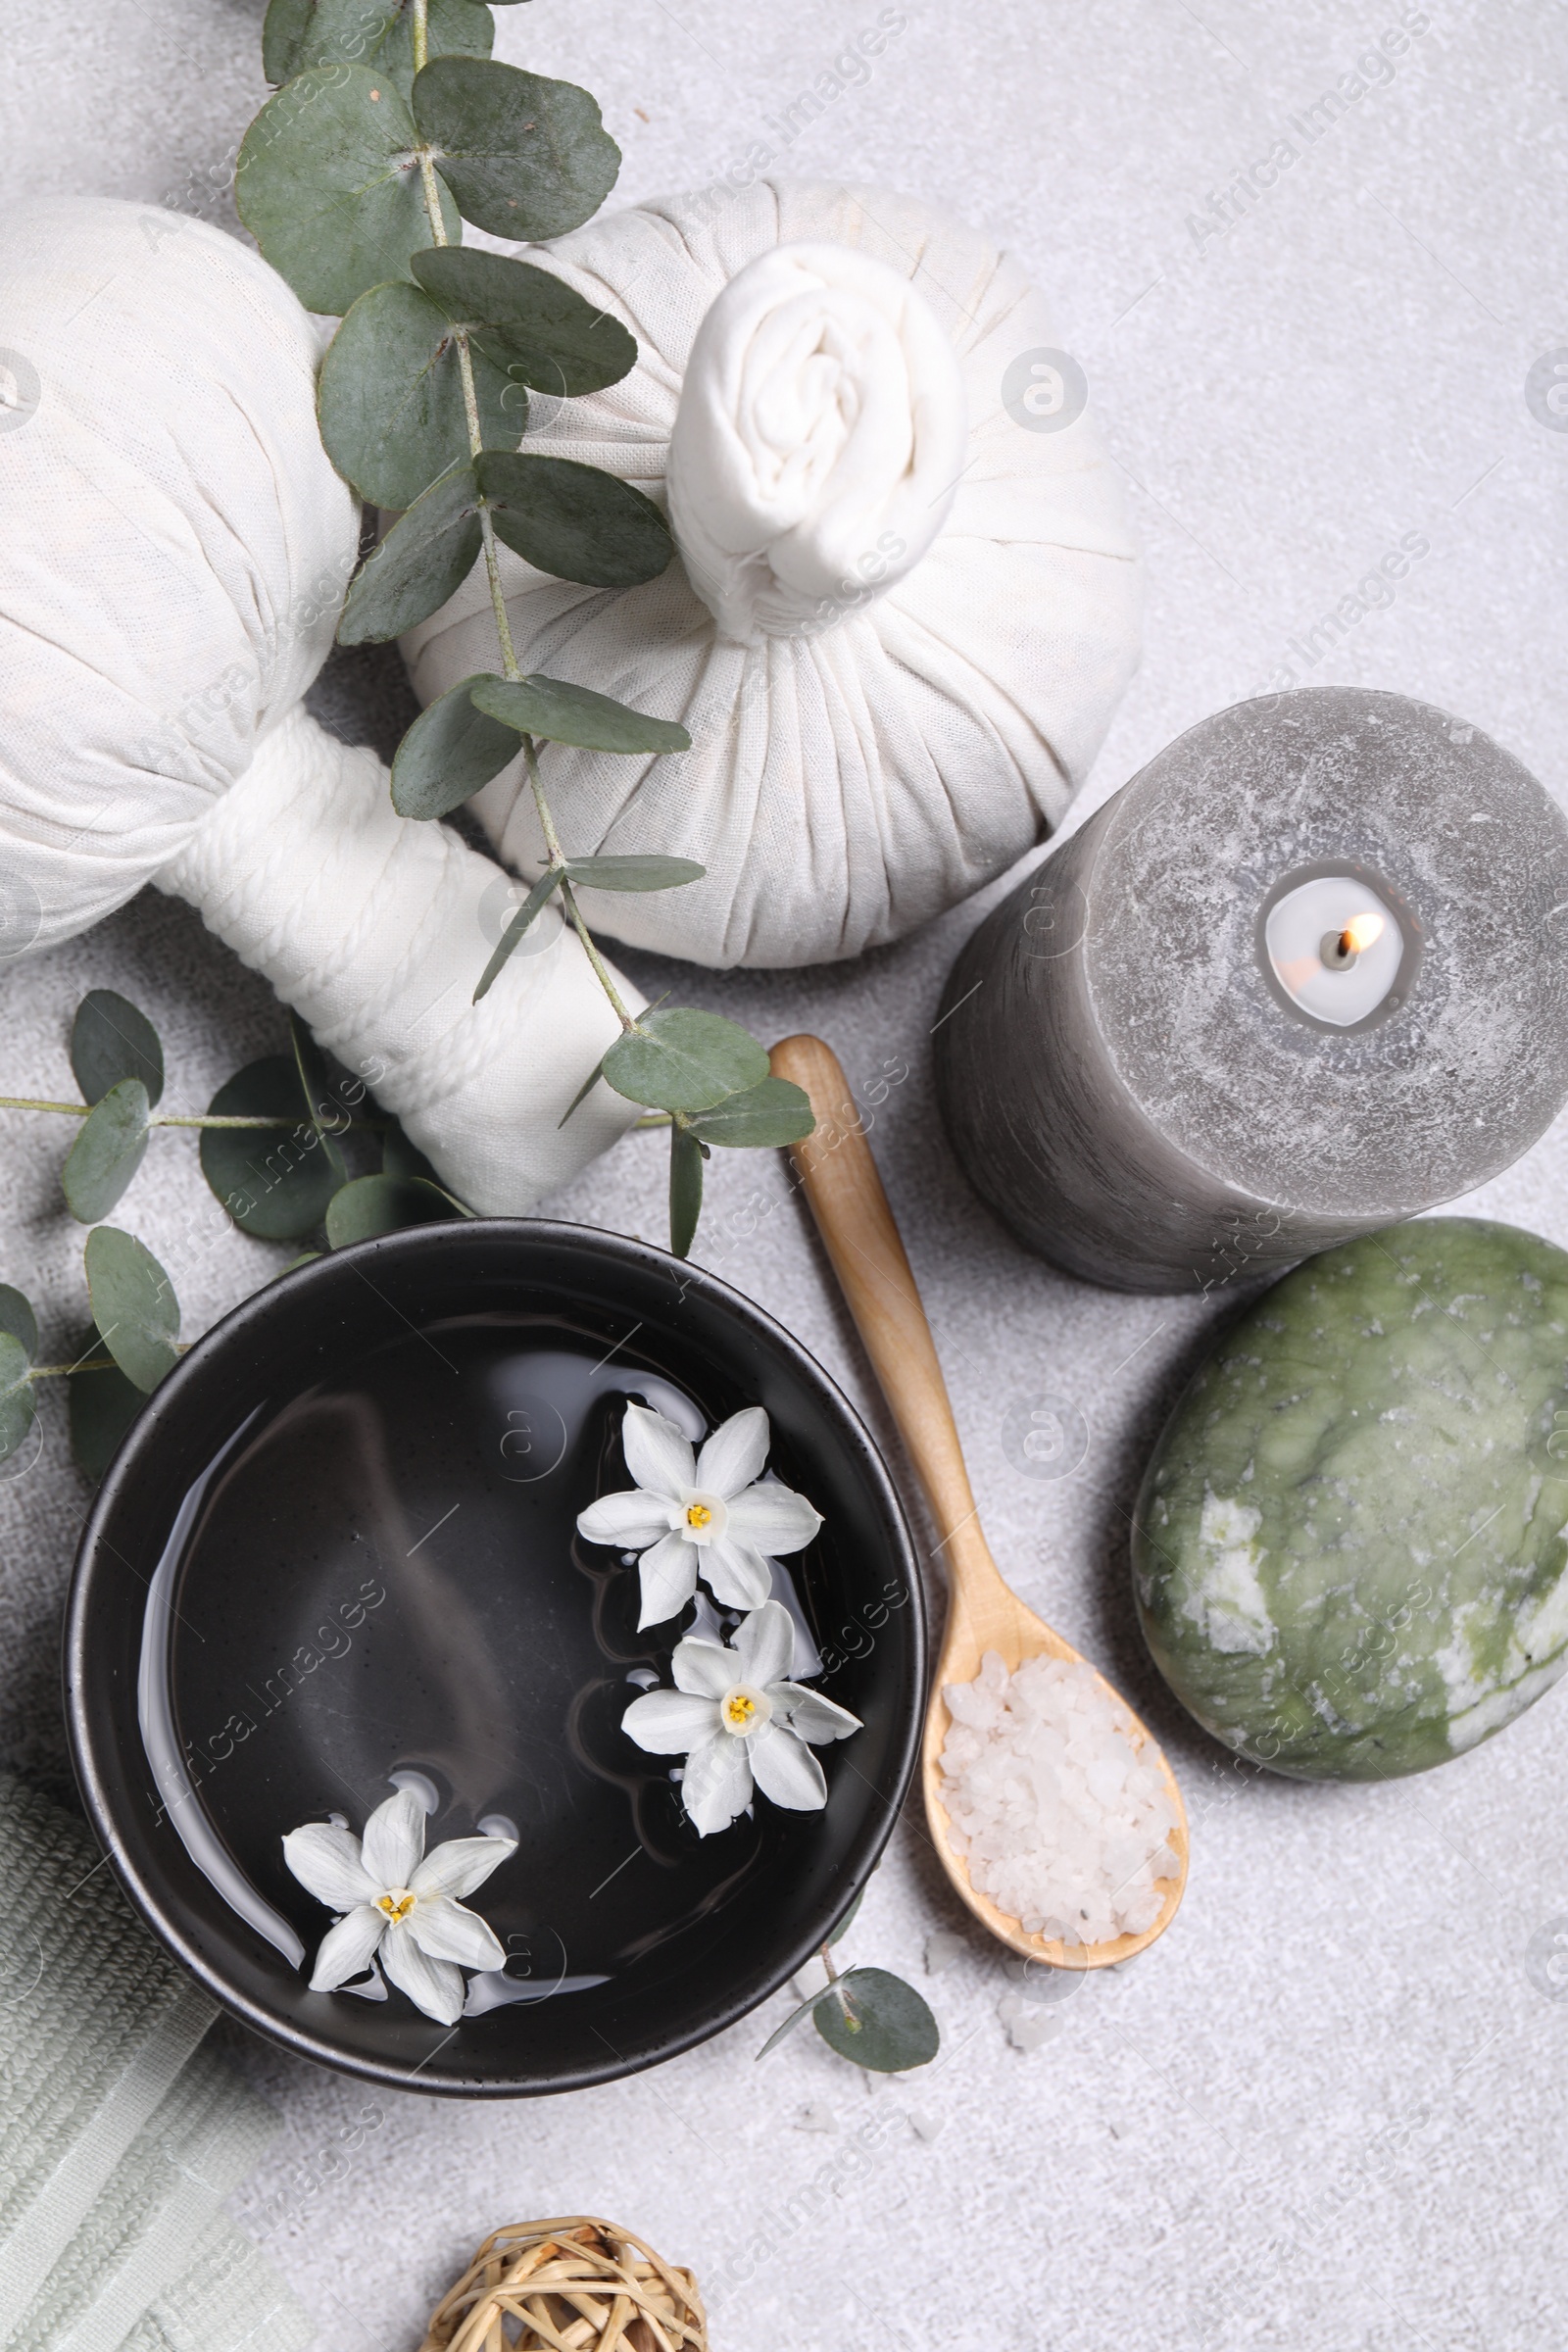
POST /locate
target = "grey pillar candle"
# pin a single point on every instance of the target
(1142, 1059)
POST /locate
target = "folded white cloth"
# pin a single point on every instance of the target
(908, 599)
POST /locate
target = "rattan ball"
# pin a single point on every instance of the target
(575, 2285)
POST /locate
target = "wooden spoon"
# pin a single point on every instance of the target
(851, 1208)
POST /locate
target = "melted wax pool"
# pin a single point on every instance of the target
(382, 1584)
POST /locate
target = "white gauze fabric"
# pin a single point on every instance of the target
(174, 545)
(901, 615)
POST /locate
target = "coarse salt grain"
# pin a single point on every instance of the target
(1050, 1802)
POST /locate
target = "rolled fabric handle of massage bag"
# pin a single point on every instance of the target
(376, 929)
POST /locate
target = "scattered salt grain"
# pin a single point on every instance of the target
(1048, 1801)
(924, 2126)
(817, 2118)
(941, 1951)
(1027, 2027)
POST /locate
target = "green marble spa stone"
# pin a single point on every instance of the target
(1351, 1544)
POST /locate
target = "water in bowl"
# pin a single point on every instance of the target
(380, 1583)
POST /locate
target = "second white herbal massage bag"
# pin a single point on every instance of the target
(908, 598)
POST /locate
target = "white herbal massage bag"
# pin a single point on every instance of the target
(174, 546)
(906, 599)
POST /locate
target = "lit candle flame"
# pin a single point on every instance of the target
(1360, 933)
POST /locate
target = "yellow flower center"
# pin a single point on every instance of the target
(738, 1709)
(697, 1514)
(397, 1903)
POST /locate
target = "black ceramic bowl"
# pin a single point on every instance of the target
(340, 1544)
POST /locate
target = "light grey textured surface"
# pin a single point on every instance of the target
(1328, 2106)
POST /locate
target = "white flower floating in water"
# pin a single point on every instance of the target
(398, 1907)
(699, 1513)
(735, 1720)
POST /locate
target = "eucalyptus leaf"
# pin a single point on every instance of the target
(528, 320)
(111, 1040)
(574, 521)
(133, 1305)
(683, 1061)
(426, 553)
(796, 2017)
(328, 184)
(887, 2027)
(525, 156)
(764, 1116)
(512, 937)
(16, 1367)
(284, 31)
(18, 1319)
(633, 873)
(390, 396)
(686, 1157)
(274, 1182)
(452, 28)
(848, 1920)
(582, 1094)
(102, 1405)
(559, 713)
(298, 33)
(109, 1147)
(451, 750)
(19, 1399)
(372, 1205)
(326, 1113)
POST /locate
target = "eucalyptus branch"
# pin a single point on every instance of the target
(510, 668)
(470, 396)
(415, 413)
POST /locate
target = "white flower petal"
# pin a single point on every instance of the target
(764, 1643)
(718, 1783)
(786, 1770)
(630, 1518)
(668, 1575)
(444, 1931)
(658, 1456)
(772, 1519)
(327, 1861)
(735, 1454)
(705, 1667)
(434, 1985)
(394, 1840)
(348, 1949)
(671, 1723)
(460, 1866)
(735, 1574)
(811, 1716)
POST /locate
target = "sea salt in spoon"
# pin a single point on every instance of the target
(852, 1213)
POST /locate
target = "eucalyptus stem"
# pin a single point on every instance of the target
(851, 2018)
(601, 969)
(166, 1118)
(547, 823)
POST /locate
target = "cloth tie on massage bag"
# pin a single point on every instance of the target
(174, 546)
(907, 600)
